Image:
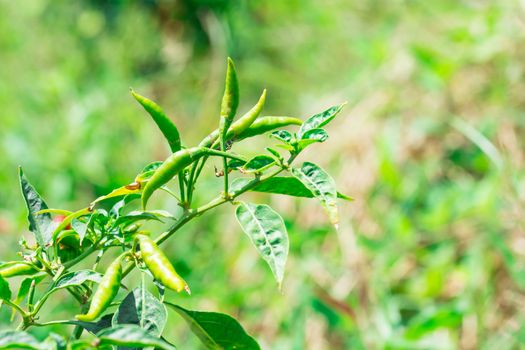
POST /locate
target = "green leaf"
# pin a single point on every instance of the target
(121, 191)
(166, 126)
(79, 227)
(140, 307)
(5, 292)
(321, 185)
(286, 185)
(217, 331)
(18, 340)
(258, 163)
(282, 135)
(312, 136)
(134, 216)
(133, 336)
(320, 119)
(268, 234)
(77, 278)
(41, 225)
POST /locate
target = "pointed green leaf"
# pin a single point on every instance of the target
(312, 136)
(5, 292)
(321, 185)
(268, 234)
(258, 163)
(132, 336)
(217, 331)
(41, 225)
(286, 185)
(166, 126)
(320, 119)
(140, 307)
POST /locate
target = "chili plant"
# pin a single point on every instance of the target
(112, 224)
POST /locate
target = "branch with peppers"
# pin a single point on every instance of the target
(64, 238)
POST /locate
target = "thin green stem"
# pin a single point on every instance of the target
(16, 307)
(31, 296)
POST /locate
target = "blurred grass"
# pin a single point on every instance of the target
(429, 256)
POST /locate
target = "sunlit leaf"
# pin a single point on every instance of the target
(319, 120)
(258, 163)
(268, 234)
(321, 185)
(217, 331)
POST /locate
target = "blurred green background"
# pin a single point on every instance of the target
(430, 255)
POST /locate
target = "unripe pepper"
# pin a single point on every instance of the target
(16, 269)
(105, 293)
(159, 265)
(265, 124)
(238, 126)
(171, 167)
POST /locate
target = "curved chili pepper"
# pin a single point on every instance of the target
(12, 269)
(105, 293)
(265, 124)
(159, 265)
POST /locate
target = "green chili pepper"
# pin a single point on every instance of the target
(171, 167)
(105, 293)
(159, 265)
(166, 126)
(230, 100)
(265, 124)
(240, 125)
(12, 269)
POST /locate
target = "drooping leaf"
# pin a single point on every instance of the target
(166, 126)
(5, 292)
(320, 119)
(41, 225)
(140, 307)
(18, 340)
(268, 234)
(131, 335)
(258, 163)
(79, 227)
(217, 331)
(321, 185)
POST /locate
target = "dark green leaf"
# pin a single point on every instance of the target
(5, 292)
(268, 234)
(132, 336)
(236, 163)
(319, 120)
(321, 185)
(41, 225)
(258, 163)
(166, 126)
(140, 307)
(217, 331)
(95, 327)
